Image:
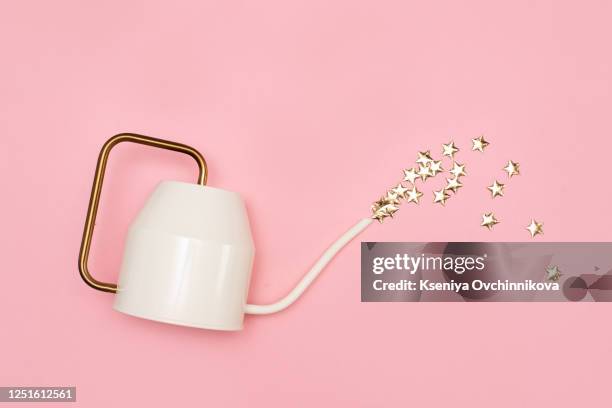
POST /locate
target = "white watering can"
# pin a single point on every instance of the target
(189, 252)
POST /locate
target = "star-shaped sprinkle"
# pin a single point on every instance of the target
(387, 211)
(512, 168)
(410, 175)
(391, 209)
(497, 189)
(424, 157)
(427, 167)
(479, 144)
(425, 172)
(535, 228)
(382, 201)
(392, 198)
(553, 273)
(449, 149)
(377, 205)
(453, 184)
(435, 167)
(440, 196)
(489, 220)
(379, 215)
(400, 191)
(458, 169)
(413, 195)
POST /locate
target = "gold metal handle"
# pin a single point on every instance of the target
(96, 188)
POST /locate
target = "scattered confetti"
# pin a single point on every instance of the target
(414, 195)
(489, 220)
(512, 168)
(391, 198)
(479, 144)
(449, 149)
(453, 184)
(400, 191)
(381, 210)
(553, 273)
(427, 167)
(435, 167)
(458, 170)
(410, 175)
(496, 189)
(425, 172)
(424, 158)
(441, 196)
(535, 228)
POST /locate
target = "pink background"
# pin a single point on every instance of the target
(310, 110)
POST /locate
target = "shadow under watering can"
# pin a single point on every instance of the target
(189, 252)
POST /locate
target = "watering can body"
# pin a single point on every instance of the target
(188, 258)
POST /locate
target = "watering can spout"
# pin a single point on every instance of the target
(312, 274)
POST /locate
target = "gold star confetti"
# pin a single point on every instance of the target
(458, 169)
(440, 196)
(400, 191)
(392, 198)
(479, 144)
(489, 220)
(449, 149)
(425, 172)
(435, 167)
(379, 204)
(427, 167)
(453, 184)
(512, 169)
(413, 195)
(424, 157)
(386, 211)
(391, 209)
(553, 273)
(379, 215)
(535, 228)
(410, 175)
(497, 189)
